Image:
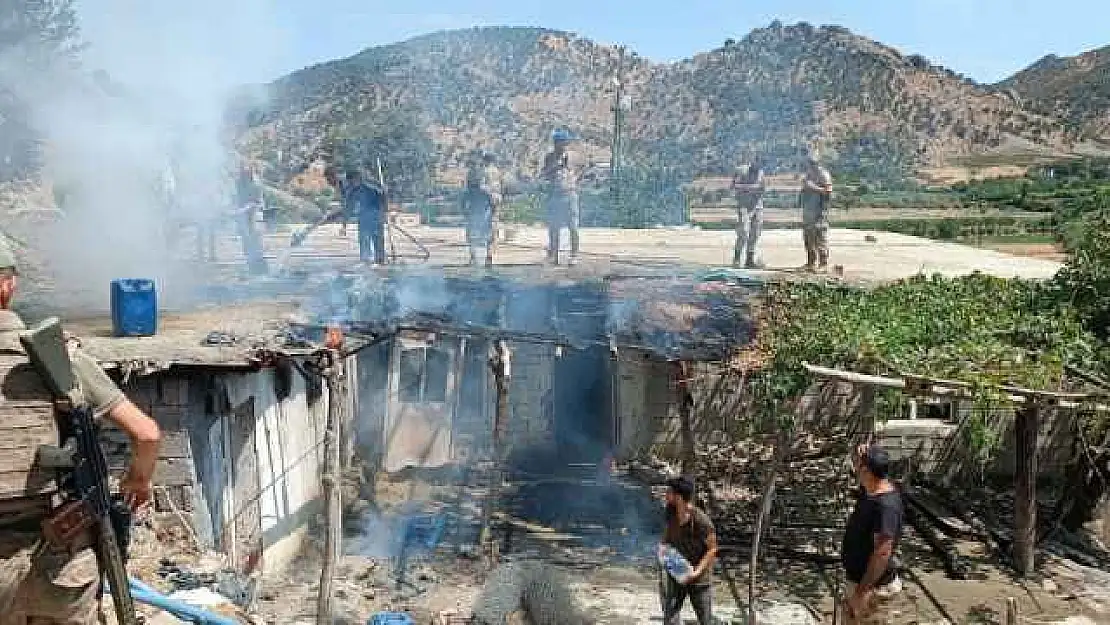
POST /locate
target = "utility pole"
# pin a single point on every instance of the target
(617, 147)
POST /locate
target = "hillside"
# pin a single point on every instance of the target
(1076, 89)
(773, 92)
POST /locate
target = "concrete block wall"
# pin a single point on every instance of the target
(917, 441)
(646, 408)
(165, 398)
(533, 372)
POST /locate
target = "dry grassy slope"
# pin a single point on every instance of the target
(792, 84)
(777, 89)
(1075, 88)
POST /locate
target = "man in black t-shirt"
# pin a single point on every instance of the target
(871, 537)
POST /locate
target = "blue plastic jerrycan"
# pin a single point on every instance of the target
(134, 303)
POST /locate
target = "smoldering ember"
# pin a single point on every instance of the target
(484, 430)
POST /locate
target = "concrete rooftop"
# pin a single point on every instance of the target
(614, 251)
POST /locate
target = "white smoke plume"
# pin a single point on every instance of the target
(151, 87)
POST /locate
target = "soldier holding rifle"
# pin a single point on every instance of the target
(45, 580)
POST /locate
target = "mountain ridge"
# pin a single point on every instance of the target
(1074, 88)
(775, 92)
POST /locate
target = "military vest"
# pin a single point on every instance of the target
(27, 420)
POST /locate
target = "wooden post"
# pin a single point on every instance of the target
(685, 417)
(782, 447)
(499, 365)
(1025, 487)
(333, 374)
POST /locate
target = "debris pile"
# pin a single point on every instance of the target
(527, 592)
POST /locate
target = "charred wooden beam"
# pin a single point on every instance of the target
(954, 566)
(333, 374)
(500, 367)
(685, 417)
(929, 509)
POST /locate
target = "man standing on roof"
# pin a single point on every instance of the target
(749, 188)
(248, 201)
(367, 204)
(815, 196)
(481, 200)
(41, 583)
(871, 538)
(560, 174)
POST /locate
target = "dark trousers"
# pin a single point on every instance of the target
(371, 241)
(675, 594)
(252, 245)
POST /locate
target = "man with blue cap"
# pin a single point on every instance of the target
(560, 174)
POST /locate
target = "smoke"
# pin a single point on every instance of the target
(151, 89)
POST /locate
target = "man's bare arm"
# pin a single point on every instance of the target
(877, 563)
(710, 555)
(145, 437)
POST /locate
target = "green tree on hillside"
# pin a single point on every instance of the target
(397, 137)
(1084, 281)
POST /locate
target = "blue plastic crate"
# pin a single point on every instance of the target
(391, 618)
(134, 303)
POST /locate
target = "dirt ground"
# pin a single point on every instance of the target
(1046, 251)
(618, 585)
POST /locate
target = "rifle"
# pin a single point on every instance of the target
(90, 505)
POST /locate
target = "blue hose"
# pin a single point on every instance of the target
(145, 594)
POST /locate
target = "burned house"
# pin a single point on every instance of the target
(242, 418)
(593, 367)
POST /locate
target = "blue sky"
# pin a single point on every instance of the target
(258, 40)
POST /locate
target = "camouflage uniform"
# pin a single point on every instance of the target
(480, 203)
(749, 217)
(815, 217)
(39, 584)
(560, 172)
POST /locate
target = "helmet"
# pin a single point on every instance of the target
(560, 134)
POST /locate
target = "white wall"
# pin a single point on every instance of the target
(288, 439)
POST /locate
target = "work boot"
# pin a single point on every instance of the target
(489, 260)
(752, 263)
(806, 268)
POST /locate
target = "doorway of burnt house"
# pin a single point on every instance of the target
(581, 406)
(582, 412)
